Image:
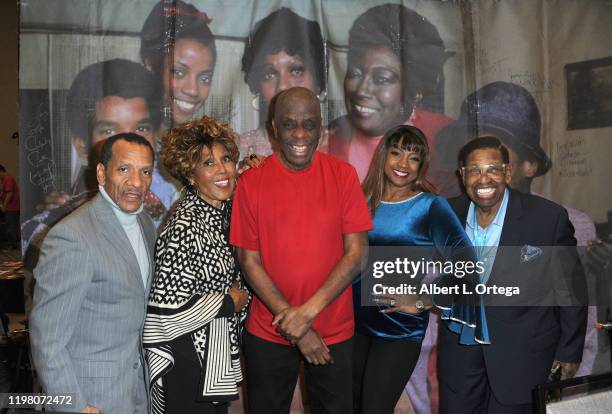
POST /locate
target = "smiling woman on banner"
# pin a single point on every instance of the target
(178, 47)
(395, 61)
(197, 301)
(282, 51)
(405, 213)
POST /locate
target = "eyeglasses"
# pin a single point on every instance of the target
(492, 170)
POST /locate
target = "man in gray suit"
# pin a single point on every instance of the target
(92, 283)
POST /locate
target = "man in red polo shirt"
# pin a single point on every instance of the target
(9, 203)
(300, 224)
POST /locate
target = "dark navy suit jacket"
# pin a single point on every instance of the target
(524, 339)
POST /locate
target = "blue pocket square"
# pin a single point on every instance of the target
(529, 253)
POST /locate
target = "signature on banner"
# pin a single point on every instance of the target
(37, 149)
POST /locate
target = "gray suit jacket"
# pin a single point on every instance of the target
(89, 307)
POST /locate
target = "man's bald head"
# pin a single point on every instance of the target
(289, 96)
(296, 126)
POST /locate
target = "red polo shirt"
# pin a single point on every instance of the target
(296, 221)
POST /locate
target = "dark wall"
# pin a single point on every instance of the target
(9, 82)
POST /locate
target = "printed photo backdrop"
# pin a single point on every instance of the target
(91, 69)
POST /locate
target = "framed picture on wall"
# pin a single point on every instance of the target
(589, 94)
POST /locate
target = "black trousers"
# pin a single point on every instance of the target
(272, 372)
(183, 382)
(381, 369)
(469, 393)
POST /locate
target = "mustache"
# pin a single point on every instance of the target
(135, 191)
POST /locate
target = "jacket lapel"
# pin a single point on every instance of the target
(108, 226)
(460, 206)
(511, 231)
(149, 239)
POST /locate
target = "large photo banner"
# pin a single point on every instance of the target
(535, 74)
(536, 71)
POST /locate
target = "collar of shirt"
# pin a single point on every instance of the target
(129, 223)
(488, 239)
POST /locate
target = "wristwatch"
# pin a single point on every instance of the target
(419, 305)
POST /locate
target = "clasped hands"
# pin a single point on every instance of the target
(294, 323)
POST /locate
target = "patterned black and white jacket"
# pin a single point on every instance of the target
(194, 270)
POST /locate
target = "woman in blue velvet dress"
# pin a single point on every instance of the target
(405, 213)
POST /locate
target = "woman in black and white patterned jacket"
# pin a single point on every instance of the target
(197, 301)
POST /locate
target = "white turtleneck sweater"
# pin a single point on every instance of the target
(129, 222)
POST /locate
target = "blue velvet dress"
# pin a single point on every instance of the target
(423, 220)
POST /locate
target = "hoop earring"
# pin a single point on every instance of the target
(255, 103)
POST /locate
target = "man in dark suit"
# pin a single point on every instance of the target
(525, 342)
